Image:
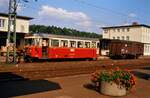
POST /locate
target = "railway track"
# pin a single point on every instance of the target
(56, 69)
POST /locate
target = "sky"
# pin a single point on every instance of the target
(84, 15)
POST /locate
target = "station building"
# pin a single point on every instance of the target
(135, 32)
(22, 28)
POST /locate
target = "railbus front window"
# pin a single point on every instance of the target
(54, 43)
(72, 44)
(64, 43)
(87, 44)
(29, 42)
(80, 44)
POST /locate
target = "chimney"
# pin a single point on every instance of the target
(135, 23)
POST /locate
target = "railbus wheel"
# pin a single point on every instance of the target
(28, 59)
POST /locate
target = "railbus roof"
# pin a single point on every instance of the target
(43, 35)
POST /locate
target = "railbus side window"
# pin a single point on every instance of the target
(45, 42)
(93, 44)
(73, 44)
(54, 43)
(87, 44)
(37, 42)
(80, 44)
(64, 43)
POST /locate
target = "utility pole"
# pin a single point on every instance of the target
(11, 22)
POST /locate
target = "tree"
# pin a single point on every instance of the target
(62, 31)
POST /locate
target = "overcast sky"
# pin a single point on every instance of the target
(84, 15)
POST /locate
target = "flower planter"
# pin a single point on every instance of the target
(117, 76)
(112, 89)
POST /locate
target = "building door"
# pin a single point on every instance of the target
(45, 45)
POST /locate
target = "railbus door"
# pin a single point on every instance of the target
(45, 45)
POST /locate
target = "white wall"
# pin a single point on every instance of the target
(19, 24)
(145, 35)
(139, 34)
(133, 33)
(146, 49)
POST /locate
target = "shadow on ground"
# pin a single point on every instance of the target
(13, 85)
(89, 86)
(141, 75)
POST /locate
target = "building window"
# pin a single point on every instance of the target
(118, 37)
(2, 22)
(127, 38)
(123, 29)
(118, 30)
(22, 28)
(113, 37)
(128, 29)
(114, 30)
(122, 37)
(105, 31)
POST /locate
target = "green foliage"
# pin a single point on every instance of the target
(62, 31)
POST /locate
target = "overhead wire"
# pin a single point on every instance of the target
(108, 10)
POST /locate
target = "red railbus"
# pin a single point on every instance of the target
(49, 46)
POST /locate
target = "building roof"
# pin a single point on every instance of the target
(124, 26)
(18, 16)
